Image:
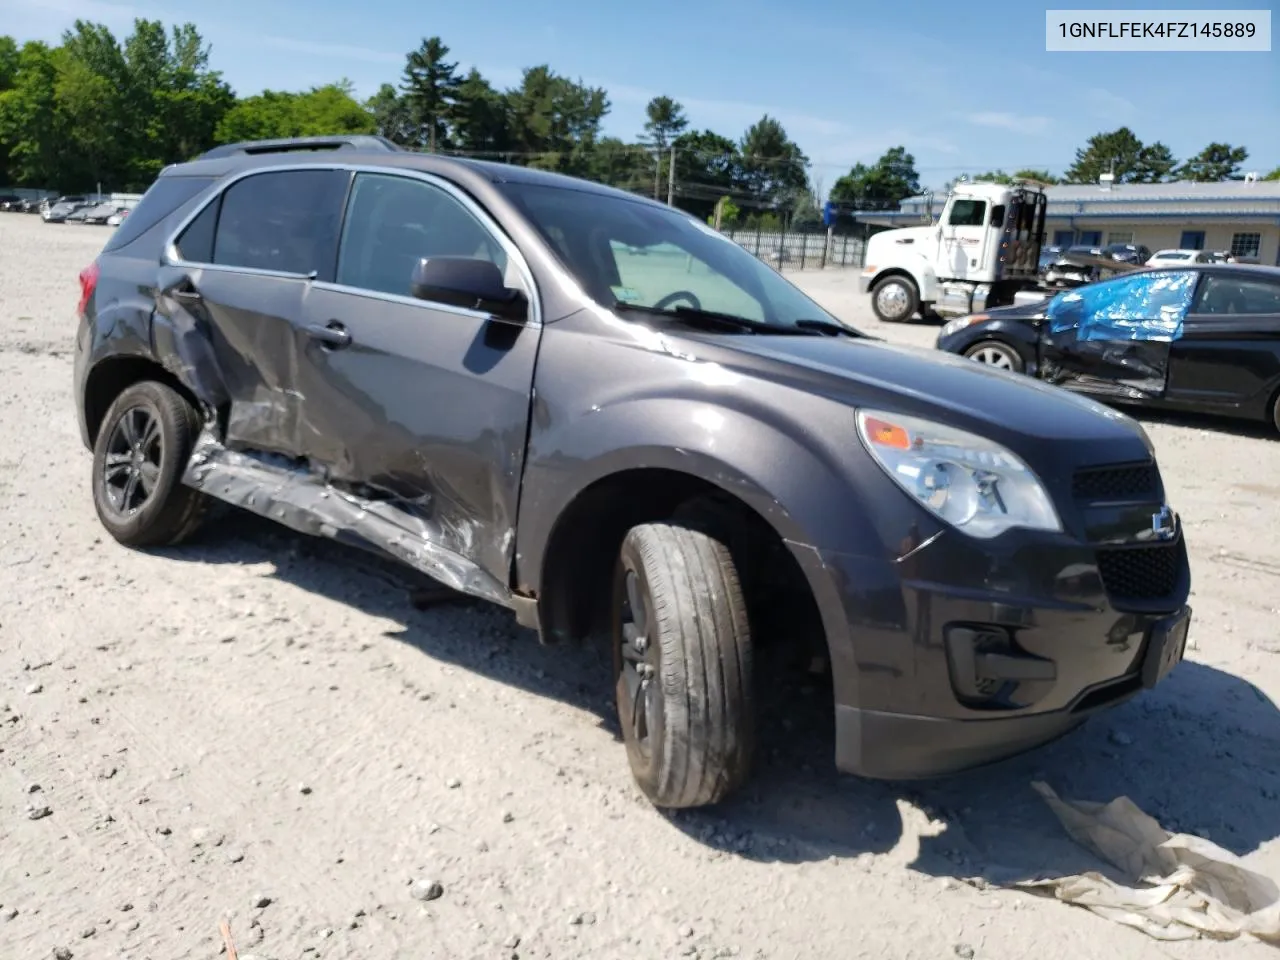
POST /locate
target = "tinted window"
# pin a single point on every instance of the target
(1227, 294)
(968, 213)
(285, 221)
(196, 242)
(393, 222)
(164, 196)
(997, 217)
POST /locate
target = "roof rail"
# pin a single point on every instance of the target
(366, 142)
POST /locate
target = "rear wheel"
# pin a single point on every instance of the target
(996, 354)
(895, 299)
(682, 665)
(1275, 412)
(139, 456)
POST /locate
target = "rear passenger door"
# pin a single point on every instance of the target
(422, 404)
(234, 287)
(1229, 351)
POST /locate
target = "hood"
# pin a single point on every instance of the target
(905, 239)
(1051, 428)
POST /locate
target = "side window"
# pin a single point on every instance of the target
(1236, 295)
(162, 198)
(968, 213)
(285, 221)
(1143, 306)
(394, 221)
(196, 243)
(997, 217)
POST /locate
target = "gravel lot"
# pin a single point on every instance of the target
(261, 727)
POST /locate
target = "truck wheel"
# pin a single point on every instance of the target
(139, 456)
(682, 665)
(895, 299)
(996, 354)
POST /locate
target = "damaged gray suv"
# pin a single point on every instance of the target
(599, 412)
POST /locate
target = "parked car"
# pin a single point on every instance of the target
(1134, 253)
(62, 210)
(1062, 272)
(1179, 258)
(1048, 257)
(102, 213)
(1203, 338)
(117, 218)
(9, 201)
(461, 365)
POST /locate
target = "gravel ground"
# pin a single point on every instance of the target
(261, 728)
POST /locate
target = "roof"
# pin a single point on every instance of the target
(1234, 191)
(219, 164)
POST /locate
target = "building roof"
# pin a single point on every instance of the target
(1177, 191)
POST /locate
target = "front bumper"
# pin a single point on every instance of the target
(910, 702)
(864, 283)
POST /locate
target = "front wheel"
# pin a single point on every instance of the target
(895, 299)
(996, 354)
(682, 665)
(139, 456)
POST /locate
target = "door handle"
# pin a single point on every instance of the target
(187, 295)
(334, 335)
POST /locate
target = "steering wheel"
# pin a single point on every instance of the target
(671, 298)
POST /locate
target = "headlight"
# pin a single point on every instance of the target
(975, 485)
(953, 326)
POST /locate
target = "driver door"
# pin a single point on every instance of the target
(962, 237)
(421, 404)
(1113, 338)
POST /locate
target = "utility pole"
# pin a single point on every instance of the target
(657, 171)
(671, 180)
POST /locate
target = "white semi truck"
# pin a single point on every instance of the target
(981, 253)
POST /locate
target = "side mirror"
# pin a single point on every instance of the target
(468, 282)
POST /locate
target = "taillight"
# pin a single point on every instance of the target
(88, 283)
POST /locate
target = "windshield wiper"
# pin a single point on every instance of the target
(828, 327)
(808, 327)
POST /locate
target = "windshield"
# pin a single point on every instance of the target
(627, 253)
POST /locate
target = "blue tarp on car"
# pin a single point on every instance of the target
(1141, 306)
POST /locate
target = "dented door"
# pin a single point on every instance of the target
(426, 408)
(1113, 338)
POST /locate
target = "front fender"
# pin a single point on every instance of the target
(779, 469)
(920, 271)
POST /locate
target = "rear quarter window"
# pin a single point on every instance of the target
(163, 197)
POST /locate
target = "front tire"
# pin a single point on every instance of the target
(139, 456)
(996, 354)
(895, 299)
(682, 665)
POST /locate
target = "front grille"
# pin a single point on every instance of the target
(1139, 573)
(1115, 483)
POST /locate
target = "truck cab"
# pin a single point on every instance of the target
(981, 250)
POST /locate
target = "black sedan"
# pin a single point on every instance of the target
(1205, 338)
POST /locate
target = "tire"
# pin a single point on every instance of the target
(160, 511)
(689, 726)
(895, 299)
(1275, 413)
(996, 354)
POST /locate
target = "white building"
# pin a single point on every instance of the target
(1239, 216)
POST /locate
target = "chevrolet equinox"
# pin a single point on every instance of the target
(597, 411)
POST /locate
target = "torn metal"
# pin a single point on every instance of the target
(280, 489)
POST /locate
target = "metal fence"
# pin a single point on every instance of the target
(801, 251)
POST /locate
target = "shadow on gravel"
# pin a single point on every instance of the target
(1250, 429)
(1198, 753)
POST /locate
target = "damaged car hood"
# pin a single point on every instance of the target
(1062, 427)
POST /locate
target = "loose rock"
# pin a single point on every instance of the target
(453, 783)
(964, 951)
(427, 890)
(35, 688)
(261, 901)
(38, 811)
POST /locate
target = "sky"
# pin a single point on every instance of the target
(963, 92)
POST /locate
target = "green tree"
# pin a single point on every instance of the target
(323, 110)
(29, 117)
(479, 117)
(1135, 162)
(1273, 175)
(665, 121)
(555, 121)
(1215, 163)
(708, 167)
(774, 170)
(887, 182)
(429, 83)
(392, 117)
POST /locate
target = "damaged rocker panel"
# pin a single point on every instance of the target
(273, 487)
